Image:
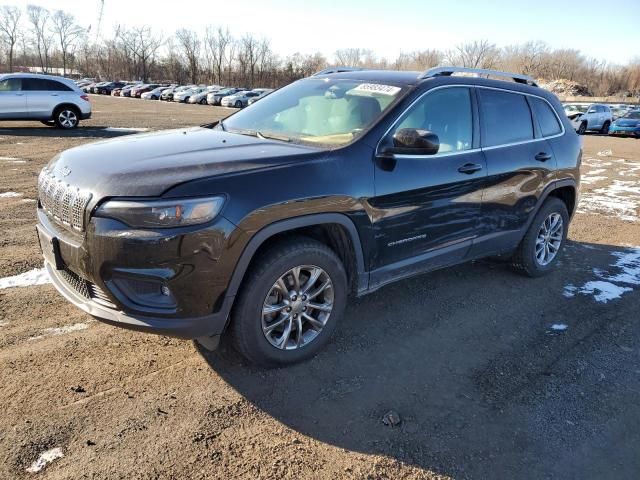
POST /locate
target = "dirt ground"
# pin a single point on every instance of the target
(493, 375)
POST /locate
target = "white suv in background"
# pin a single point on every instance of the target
(52, 100)
(597, 118)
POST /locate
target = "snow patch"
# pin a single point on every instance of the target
(124, 129)
(47, 332)
(621, 198)
(37, 276)
(45, 459)
(559, 327)
(27, 200)
(605, 153)
(610, 286)
(10, 195)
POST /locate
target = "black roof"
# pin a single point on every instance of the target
(410, 79)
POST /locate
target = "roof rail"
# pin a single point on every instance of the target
(330, 70)
(448, 71)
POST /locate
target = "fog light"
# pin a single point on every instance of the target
(165, 291)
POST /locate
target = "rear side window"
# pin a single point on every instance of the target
(506, 117)
(10, 85)
(447, 113)
(43, 84)
(547, 120)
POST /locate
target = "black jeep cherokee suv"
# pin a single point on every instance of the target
(263, 224)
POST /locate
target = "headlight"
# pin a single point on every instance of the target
(162, 213)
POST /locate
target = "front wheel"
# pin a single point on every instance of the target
(582, 129)
(238, 104)
(66, 118)
(291, 301)
(605, 127)
(203, 101)
(541, 246)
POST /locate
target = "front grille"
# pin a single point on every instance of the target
(62, 201)
(85, 288)
(77, 283)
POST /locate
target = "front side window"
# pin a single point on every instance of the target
(320, 111)
(10, 85)
(548, 121)
(445, 112)
(506, 117)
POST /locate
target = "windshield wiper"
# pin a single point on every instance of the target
(272, 136)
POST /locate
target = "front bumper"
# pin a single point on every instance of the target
(616, 130)
(189, 328)
(106, 271)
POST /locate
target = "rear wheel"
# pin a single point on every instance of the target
(66, 118)
(238, 104)
(203, 101)
(540, 248)
(582, 129)
(290, 304)
(605, 127)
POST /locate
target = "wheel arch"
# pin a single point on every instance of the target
(334, 229)
(66, 105)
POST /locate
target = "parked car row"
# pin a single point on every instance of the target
(236, 97)
(612, 119)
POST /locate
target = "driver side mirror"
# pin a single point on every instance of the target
(413, 141)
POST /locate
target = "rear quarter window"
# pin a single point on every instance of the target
(549, 124)
(505, 117)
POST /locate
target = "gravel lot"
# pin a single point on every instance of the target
(492, 375)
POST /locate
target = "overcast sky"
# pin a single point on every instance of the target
(605, 30)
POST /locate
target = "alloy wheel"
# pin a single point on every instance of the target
(297, 307)
(68, 118)
(549, 239)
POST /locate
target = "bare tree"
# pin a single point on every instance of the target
(419, 60)
(190, 43)
(143, 45)
(9, 33)
(39, 18)
(67, 32)
(351, 57)
(477, 54)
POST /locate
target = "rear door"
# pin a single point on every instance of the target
(426, 207)
(43, 95)
(520, 164)
(13, 101)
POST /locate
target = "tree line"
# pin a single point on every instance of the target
(53, 41)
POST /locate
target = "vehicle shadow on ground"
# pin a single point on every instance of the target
(468, 359)
(80, 132)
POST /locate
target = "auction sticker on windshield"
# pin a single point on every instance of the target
(377, 89)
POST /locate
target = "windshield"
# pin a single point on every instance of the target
(635, 115)
(316, 111)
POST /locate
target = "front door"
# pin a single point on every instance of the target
(13, 102)
(426, 207)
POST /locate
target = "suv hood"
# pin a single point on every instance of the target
(149, 164)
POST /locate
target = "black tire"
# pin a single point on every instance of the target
(246, 319)
(238, 104)
(203, 101)
(69, 112)
(524, 259)
(582, 129)
(605, 127)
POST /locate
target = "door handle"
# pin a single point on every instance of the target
(19, 94)
(54, 95)
(470, 168)
(542, 157)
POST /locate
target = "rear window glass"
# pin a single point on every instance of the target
(43, 84)
(547, 120)
(506, 118)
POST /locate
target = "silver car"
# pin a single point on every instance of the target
(52, 100)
